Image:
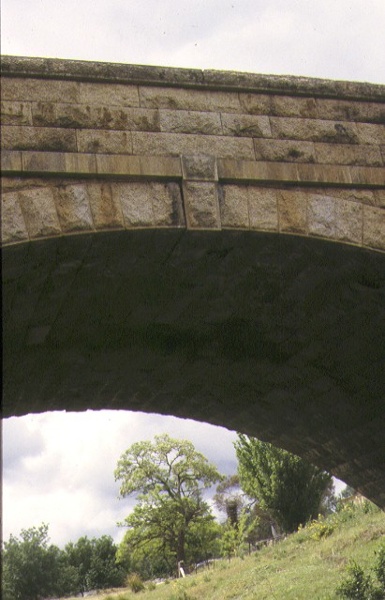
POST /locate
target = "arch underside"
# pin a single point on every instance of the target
(277, 336)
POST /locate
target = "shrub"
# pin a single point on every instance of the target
(379, 568)
(360, 585)
(135, 583)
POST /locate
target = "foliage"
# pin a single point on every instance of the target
(289, 488)
(229, 498)
(168, 477)
(360, 585)
(135, 583)
(31, 567)
(94, 562)
(235, 537)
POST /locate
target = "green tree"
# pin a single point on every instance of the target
(168, 476)
(93, 563)
(289, 488)
(31, 567)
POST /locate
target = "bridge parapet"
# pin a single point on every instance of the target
(102, 146)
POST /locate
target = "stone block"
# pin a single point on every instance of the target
(379, 198)
(342, 110)
(292, 210)
(190, 121)
(263, 209)
(175, 144)
(189, 99)
(16, 113)
(10, 161)
(315, 130)
(374, 227)
(288, 106)
(348, 222)
(370, 133)
(284, 150)
(13, 228)
(167, 205)
(347, 154)
(246, 125)
(95, 117)
(80, 163)
(43, 162)
(234, 206)
(105, 208)
(138, 166)
(73, 207)
(199, 167)
(108, 95)
(135, 199)
(321, 215)
(38, 138)
(201, 205)
(256, 104)
(38, 206)
(101, 141)
(38, 90)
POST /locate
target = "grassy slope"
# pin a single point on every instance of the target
(298, 568)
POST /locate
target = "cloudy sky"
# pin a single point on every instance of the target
(57, 467)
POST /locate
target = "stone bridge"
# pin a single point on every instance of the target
(198, 243)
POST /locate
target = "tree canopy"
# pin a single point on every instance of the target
(168, 476)
(285, 485)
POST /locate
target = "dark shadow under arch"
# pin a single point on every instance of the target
(281, 337)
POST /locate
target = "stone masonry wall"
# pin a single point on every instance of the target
(87, 146)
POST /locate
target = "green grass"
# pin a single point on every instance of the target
(308, 565)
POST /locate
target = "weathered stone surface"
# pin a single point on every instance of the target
(346, 154)
(42, 138)
(315, 130)
(374, 227)
(189, 121)
(379, 196)
(136, 202)
(10, 161)
(175, 144)
(368, 133)
(342, 110)
(348, 222)
(13, 228)
(168, 205)
(200, 167)
(263, 209)
(187, 99)
(73, 207)
(336, 219)
(94, 117)
(284, 150)
(287, 106)
(39, 212)
(39, 90)
(201, 205)
(105, 207)
(292, 209)
(16, 113)
(100, 141)
(108, 95)
(234, 206)
(246, 125)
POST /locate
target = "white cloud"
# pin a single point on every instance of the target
(328, 39)
(64, 473)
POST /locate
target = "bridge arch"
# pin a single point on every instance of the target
(208, 245)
